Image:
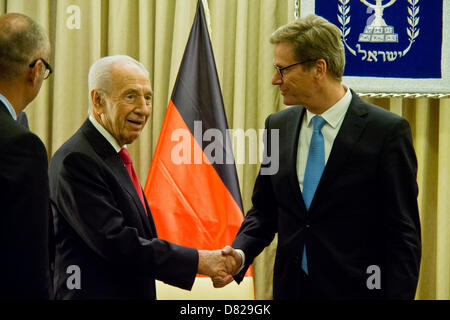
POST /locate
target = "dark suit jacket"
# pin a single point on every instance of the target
(102, 228)
(364, 211)
(24, 212)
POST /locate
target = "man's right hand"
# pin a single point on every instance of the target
(219, 265)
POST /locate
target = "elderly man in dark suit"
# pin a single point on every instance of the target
(106, 241)
(24, 189)
(344, 205)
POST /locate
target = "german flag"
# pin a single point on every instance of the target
(192, 187)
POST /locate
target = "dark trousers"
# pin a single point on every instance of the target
(307, 290)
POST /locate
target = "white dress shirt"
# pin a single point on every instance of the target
(334, 117)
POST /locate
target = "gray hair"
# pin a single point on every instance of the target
(100, 74)
(21, 41)
(314, 37)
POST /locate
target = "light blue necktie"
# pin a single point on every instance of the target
(314, 169)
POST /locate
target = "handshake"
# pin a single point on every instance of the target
(220, 265)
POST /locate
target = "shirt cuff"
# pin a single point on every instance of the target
(243, 259)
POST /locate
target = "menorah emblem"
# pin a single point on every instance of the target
(376, 29)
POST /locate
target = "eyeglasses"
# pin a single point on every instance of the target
(280, 70)
(48, 67)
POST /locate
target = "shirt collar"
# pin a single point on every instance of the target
(334, 115)
(106, 134)
(9, 107)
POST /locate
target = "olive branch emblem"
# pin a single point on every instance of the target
(413, 21)
(344, 20)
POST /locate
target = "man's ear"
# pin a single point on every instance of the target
(321, 68)
(98, 101)
(34, 72)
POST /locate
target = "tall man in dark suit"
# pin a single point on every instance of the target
(24, 190)
(106, 241)
(344, 205)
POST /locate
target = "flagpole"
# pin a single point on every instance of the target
(207, 16)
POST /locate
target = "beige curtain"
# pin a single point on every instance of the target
(155, 32)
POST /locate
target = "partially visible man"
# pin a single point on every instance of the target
(106, 241)
(344, 205)
(24, 190)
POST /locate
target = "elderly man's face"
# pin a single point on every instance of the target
(129, 103)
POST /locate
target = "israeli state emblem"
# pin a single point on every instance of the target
(376, 29)
(379, 39)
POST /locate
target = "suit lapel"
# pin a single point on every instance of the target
(288, 152)
(113, 161)
(351, 129)
(118, 168)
